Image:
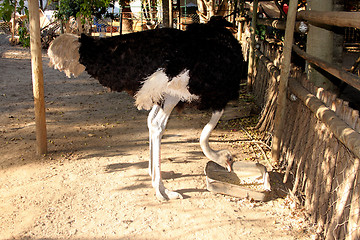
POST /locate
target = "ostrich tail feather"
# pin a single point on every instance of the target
(64, 55)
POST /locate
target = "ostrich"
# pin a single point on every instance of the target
(161, 68)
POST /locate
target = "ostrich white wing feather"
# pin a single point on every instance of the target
(156, 85)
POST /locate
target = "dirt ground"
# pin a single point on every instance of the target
(94, 183)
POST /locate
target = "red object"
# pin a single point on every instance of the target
(108, 29)
(285, 8)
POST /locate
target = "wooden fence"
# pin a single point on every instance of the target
(320, 144)
(323, 170)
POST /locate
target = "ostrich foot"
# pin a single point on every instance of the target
(164, 194)
(173, 195)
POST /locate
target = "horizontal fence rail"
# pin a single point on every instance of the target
(343, 75)
(347, 135)
(339, 19)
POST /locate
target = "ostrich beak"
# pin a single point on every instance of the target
(229, 165)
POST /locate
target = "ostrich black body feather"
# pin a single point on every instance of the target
(209, 51)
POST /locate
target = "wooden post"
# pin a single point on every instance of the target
(179, 15)
(252, 46)
(37, 77)
(121, 19)
(171, 14)
(283, 84)
(165, 6)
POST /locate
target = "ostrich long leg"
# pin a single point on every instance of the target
(151, 116)
(223, 157)
(157, 125)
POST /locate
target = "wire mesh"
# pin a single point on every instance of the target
(324, 172)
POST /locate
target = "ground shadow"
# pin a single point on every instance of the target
(116, 167)
(278, 188)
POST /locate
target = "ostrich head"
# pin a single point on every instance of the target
(224, 159)
(219, 21)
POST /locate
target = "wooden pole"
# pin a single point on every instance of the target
(252, 46)
(37, 77)
(334, 18)
(283, 84)
(171, 14)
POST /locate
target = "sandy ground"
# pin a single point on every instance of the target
(94, 183)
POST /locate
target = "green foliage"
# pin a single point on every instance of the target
(82, 8)
(265, 32)
(22, 8)
(24, 36)
(7, 8)
(261, 31)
